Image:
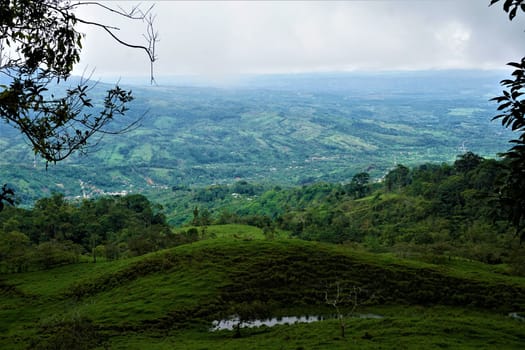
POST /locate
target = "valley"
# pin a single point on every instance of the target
(282, 130)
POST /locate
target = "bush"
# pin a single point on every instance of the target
(53, 253)
(516, 261)
(66, 333)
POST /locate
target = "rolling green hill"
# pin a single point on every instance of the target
(169, 299)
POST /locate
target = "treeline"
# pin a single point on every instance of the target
(57, 232)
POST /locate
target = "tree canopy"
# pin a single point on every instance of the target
(39, 46)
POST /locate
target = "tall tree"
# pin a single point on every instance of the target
(359, 186)
(39, 46)
(397, 178)
(512, 115)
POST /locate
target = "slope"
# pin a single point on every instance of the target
(171, 297)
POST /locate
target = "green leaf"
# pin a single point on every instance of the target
(503, 106)
(506, 5)
(515, 64)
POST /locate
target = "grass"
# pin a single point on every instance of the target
(169, 298)
(409, 328)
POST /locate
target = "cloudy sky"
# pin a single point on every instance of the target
(222, 39)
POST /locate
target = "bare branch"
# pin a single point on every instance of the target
(136, 13)
(114, 36)
(129, 14)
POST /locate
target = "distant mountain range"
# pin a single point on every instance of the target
(283, 129)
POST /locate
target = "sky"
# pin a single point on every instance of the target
(219, 40)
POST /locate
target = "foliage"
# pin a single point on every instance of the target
(512, 115)
(39, 46)
(397, 178)
(72, 331)
(512, 109)
(359, 186)
(432, 212)
(6, 195)
(511, 6)
(57, 232)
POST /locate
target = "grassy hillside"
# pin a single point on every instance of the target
(169, 299)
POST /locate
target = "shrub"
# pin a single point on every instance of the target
(66, 333)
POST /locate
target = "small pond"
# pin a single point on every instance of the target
(231, 323)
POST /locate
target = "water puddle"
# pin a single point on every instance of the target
(231, 323)
(517, 316)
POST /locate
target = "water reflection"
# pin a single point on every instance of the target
(517, 316)
(231, 323)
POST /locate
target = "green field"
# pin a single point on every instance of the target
(168, 299)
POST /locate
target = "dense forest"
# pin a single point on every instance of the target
(56, 232)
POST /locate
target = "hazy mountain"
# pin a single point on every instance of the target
(285, 129)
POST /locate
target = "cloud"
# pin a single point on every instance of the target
(217, 39)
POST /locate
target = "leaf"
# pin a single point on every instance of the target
(512, 13)
(514, 64)
(504, 105)
(507, 82)
(499, 99)
(516, 125)
(506, 5)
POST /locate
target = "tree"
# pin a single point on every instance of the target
(359, 186)
(14, 246)
(467, 162)
(39, 46)
(340, 299)
(397, 178)
(6, 195)
(512, 115)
